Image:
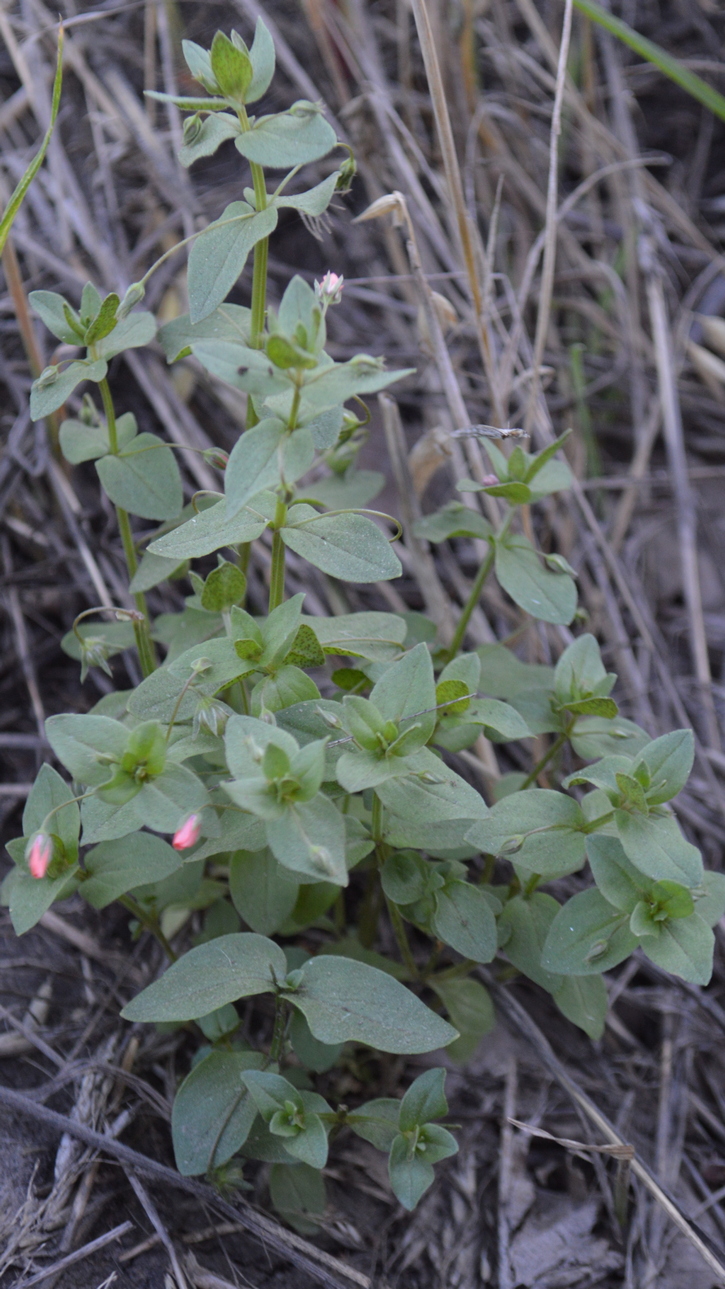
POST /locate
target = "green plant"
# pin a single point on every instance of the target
(230, 748)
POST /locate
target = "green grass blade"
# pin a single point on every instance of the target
(668, 65)
(16, 200)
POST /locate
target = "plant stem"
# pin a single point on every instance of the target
(141, 630)
(475, 595)
(558, 743)
(471, 603)
(377, 819)
(401, 937)
(276, 576)
(150, 923)
(280, 1022)
(259, 274)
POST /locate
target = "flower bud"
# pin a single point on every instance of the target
(216, 457)
(48, 376)
(192, 128)
(188, 834)
(39, 854)
(489, 480)
(95, 652)
(134, 295)
(329, 290)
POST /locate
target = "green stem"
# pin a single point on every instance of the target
(401, 937)
(276, 576)
(476, 589)
(594, 824)
(142, 629)
(377, 819)
(259, 274)
(558, 743)
(471, 603)
(150, 923)
(280, 1023)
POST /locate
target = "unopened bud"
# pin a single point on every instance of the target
(133, 296)
(216, 457)
(192, 128)
(489, 480)
(47, 377)
(211, 717)
(188, 834)
(39, 855)
(329, 290)
(393, 203)
(94, 653)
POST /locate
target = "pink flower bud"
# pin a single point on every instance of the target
(188, 834)
(329, 290)
(489, 480)
(216, 457)
(40, 855)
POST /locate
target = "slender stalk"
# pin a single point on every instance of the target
(141, 630)
(471, 602)
(259, 274)
(276, 577)
(558, 743)
(280, 1024)
(401, 937)
(149, 923)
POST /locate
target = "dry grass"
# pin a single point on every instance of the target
(576, 264)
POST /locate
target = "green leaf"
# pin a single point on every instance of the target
(143, 479)
(540, 829)
(220, 253)
(424, 1100)
(262, 58)
(587, 936)
(51, 309)
(226, 585)
(464, 920)
(50, 391)
(213, 1111)
(18, 194)
(350, 547)
(298, 1194)
(432, 794)
(580, 671)
(377, 1122)
(310, 839)
(229, 323)
(211, 133)
(51, 793)
(28, 898)
(471, 1010)
(154, 569)
(517, 494)
(407, 689)
(376, 636)
(81, 743)
(403, 876)
(219, 972)
(314, 201)
(584, 1001)
(290, 138)
(669, 760)
(505, 676)
(231, 67)
(656, 847)
(81, 442)
(454, 520)
(548, 596)
(263, 891)
(527, 920)
(212, 530)
(711, 904)
(132, 332)
(410, 1175)
(344, 1000)
(314, 1055)
(621, 884)
(684, 947)
(116, 867)
(166, 801)
(595, 736)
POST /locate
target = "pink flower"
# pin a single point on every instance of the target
(188, 834)
(40, 855)
(489, 480)
(329, 290)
